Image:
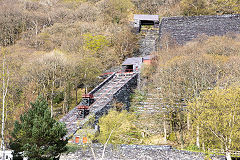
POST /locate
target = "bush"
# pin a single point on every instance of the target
(172, 137)
(192, 148)
(119, 127)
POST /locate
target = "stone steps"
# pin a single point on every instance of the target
(147, 42)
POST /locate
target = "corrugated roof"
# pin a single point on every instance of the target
(133, 61)
(146, 17)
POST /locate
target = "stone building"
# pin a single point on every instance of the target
(132, 64)
(142, 19)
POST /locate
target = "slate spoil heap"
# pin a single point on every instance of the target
(185, 29)
(134, 152)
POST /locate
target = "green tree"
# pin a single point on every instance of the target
(37, 135)
(95, 43)
(217, 112)
(180, 74)
(119, 128)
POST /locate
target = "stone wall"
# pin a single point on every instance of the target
(184, 29)
(122, 95)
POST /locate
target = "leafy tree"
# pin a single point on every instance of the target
(181, 79)
(95, 43)
(125, 42)
(119, 128)
(181, 73)
(148, 6)
(217, 112)
(91, 67)
(37, 135)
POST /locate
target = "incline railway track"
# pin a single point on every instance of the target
(75, 119)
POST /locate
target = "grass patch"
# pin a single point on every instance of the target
(72, 148)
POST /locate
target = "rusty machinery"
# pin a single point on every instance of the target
(83, 107)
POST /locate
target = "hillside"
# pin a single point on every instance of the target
(59, 50)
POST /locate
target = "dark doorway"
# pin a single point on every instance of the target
(146, 22)
(128, 68)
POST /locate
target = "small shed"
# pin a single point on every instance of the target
(142, 19)
(132, 64)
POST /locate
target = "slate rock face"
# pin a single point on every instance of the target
(184, 29)
(133, 152)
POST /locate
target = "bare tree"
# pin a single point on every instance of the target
(5, 81)
(50, 72)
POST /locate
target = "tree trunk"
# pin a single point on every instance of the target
(197, 138)
(165, 128)
(203, 146)
(3, 125)
(86, 90)
(105, 145)
(65, 101)
(76, 92)
(188, 121)
(228, 155)
(181, 130)
(51, 102)
(4, 94)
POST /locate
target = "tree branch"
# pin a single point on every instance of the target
(105, 145)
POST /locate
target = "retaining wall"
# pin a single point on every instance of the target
(184, 29)
(122, 95)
